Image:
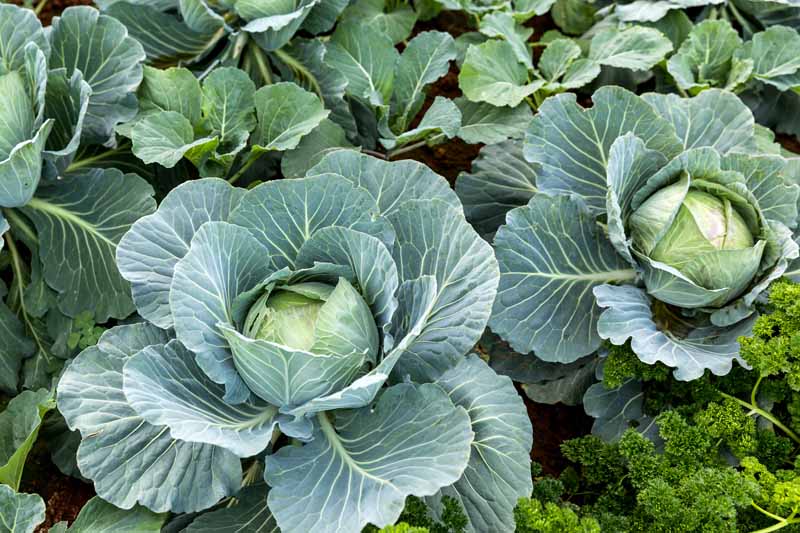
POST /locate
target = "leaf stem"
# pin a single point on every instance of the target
(413, 146)
(17, 222)
(297, 66)
(757, 410)
(781, 522)
(261, 63)
(39, 7)
(252, 158)
(82, 163)
(373, 153)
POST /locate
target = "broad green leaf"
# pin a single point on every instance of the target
(491, 73)
(628, 314)
(148, 252)
(229, 107)
(166, 40)
(574, 17)
(249, 514)
(223, 261)
(163, 383)
(487, 124)
(395, 20)
(499, 468)
(571, 144)
(426, 59)
(129, 460)
(286, 113)
(617, 410)
(325, 138)
(99, 516)
(19, 429)
(775, 60)
(17, 113)
(329, 81)
(650, 10)
(557, 57)
(434, 239)
(66, 102)
(367, 58)
(323, 16)
(636, 48)
(15, 346)
(630, 165)
(713, 118)
(79, 230)
(388, 183)
(704, 58)
(768, 179)
(272, 24)
(19, 513)
(199, 16)
(18, 27)
(110, 61)
(173, 89)
(551, 255)
(283, 214)
(500, 180)
(442, 119)
(165, 137)
(361, 465)
(504, 26)
(541, 381)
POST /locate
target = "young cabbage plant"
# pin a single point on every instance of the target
(322, 322)
(654, 218)
(61, 88)
(500, 71)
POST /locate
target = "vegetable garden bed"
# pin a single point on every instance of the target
(400, 266)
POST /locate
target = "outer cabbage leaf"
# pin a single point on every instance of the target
(223, 261)
(617, 410)
(466, 276)
(713, 118)
(20, 513)
(651, 11)
(286, 113)
(629, 314)
(148, 252)
(99, 516)
(774, 59)
(19, 429)
(80, 219)
(551, 257)
(635, 48)
(18, 28)
(500, 180)
(110, 61)
(15, 347)
(705, 58)
(571, 144)
(498, 473)
(163, 384)
(388, 183)
(396, 20)
(360, 467)
(130, 460)
(283, 214)
(249, 515)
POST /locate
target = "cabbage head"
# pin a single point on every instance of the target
(319, 323)
(655, 219)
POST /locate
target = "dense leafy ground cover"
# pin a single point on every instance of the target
(401, 266)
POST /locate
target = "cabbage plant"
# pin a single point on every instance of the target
(320, 323)
(655, 219)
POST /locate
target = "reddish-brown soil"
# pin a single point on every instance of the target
(53, 8)
(63, 496)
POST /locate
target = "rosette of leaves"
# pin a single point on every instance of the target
(521, 10)
(211, 123)
(386, 91)
(654, 218)
(501, 72)
(61, 89)
(322, 321)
